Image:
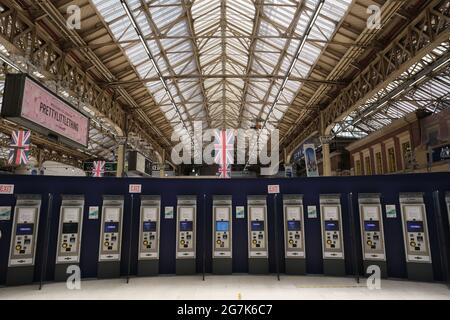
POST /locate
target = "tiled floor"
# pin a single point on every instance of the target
(231, 288)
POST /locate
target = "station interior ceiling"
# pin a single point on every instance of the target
(147, 69)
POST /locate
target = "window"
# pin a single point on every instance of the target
(433, 136)
(358, 167)
(391, 160)
(378, 163)
(406, 153)
(367, 166)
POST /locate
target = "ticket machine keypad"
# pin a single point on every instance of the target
(417, 242)
(69, 242)
(148, 240)
(222, 240)
(23, 243)
(258, 240)
(294, 239)
(186, 240)
(111, 241)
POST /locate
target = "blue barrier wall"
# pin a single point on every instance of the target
(94, 188)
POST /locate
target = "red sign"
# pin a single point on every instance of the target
(273, 188)
(135, 188)
(50, 112)
(6, 188)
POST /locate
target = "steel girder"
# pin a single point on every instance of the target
(27, 41)
(430, 28)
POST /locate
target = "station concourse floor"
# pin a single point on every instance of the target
(233, 287)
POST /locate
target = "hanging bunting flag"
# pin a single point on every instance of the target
(99, 169)
(224, 152)
(20, 147)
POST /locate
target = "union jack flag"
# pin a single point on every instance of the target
(20, 147)
(99, 169)
(224, 152)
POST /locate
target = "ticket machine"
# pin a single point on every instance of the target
(222, 235)
(332, 239)
(415, 236)
(258, 253)
(22, 251)
(69, 234)
(294, 234)
(372, 232)
(186, 234)
(148, 258)
(110, 237)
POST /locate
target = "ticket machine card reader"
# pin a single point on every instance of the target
(415, 233)
(372, 232)
(148, 259)
(257, 234)
(110, 237)
(69, 235)
(332, 235)
(23, 240)
(186, 234)
(294, 234)
(222, 231)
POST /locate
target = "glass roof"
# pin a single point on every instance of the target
(224, 62)
(409, 92)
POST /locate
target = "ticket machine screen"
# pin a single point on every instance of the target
(185, 225)
(257, 225)
(70, 228)
(111, 227)
(371, 226)
(24, 229)
(222, 226)
(331, 225)
(149, 226)
(293, 225)
(415, 226)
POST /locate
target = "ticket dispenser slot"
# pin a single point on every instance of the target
(415, 236)
(372, 232)
(110, 237)
(22, 251)
(294, 235)
(69, 234)
(332, 239)
(186, 235)
(148, 258)
(258, 254)
(222, 235)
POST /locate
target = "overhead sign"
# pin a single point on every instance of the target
(109, 166)
(138, 164)
(273, 188)
(6, 188)
(34, 106)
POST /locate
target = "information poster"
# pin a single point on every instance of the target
(5, 213)
(240, 212)
(168, 212)
(391, 212)
(93, 213)
(312, 212)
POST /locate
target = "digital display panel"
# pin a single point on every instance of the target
(149, 226)
(222, 226)
(293, 225)
(185, 225)
(414, 226)
(111, 226)
(70, 227)
(257, 225)
(371, 225)
(24, 229)
(331, 225)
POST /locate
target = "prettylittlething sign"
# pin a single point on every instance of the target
(48, 111)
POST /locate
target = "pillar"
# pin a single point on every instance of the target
(120, 160)
(326, 159)
(162, 172)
